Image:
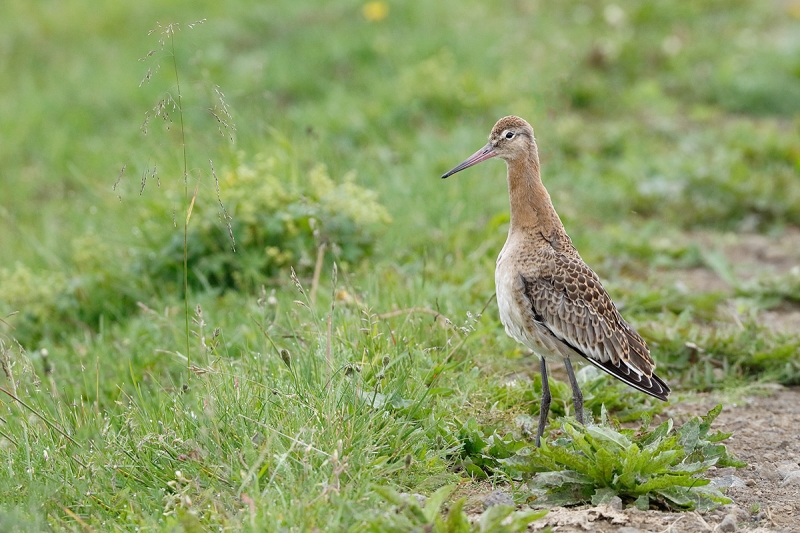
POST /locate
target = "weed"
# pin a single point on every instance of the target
(647, 466)
(486, 445)
(659, 466)
(167, 104)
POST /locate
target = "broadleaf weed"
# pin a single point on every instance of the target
(661, 466)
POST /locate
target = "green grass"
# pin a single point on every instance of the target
(655, 120)
(407, 514)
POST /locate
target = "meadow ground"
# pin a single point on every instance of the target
(349, 350)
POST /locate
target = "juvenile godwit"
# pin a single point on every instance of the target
(549, 299)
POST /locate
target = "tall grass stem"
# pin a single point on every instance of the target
(186, 220)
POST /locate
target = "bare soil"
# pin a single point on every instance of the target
(766, 493)
(751, 254)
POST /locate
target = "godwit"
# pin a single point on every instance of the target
(549, 299)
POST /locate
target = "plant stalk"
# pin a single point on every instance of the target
(186, 219)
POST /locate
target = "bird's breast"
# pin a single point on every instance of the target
(510, 314)
(516, 313)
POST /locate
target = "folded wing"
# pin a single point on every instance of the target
(572, 305)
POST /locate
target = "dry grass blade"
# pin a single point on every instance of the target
(78, 519)
(191, 203)
(317, 273)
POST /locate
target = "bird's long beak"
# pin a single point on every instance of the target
(481, 155)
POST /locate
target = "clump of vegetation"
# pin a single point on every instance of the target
(37, 296)
(407, 515)
(705, 358)
(278, 220)
(599, 392)
(277, 223)
(661, 466)
(98, 282)
(772, 291)
(485, 447)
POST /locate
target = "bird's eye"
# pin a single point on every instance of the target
(510, 135)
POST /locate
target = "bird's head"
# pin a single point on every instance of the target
(511, 138)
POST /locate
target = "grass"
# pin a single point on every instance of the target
(407, 513)
(310, 401)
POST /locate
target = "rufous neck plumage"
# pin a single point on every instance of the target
(531, 207)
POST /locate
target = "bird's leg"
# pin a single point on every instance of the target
(545, 405)
(577, 395)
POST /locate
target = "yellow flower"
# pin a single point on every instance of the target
(792, 8)
(375, 11)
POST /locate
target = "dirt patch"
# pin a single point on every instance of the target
(750, 254)
(785, 319)
(697, 280)
(606, 519)
(766, 435)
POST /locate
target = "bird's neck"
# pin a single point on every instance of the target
(531, 207)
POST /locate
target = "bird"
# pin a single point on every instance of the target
(550, 300)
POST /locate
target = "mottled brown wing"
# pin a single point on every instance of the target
(572, 304)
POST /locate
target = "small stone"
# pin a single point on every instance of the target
(419, 497)
(792, 479)
(740, 514)
(727, 482)
(750, 482)
(786, 468)
(717, 514)
(615, 503)
(769, 472)
(498, 497)
(728, 523)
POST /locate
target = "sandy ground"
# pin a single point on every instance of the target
(765, 494)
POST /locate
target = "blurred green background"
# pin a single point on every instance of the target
(653, 107)
(669, 134)
(651, 115)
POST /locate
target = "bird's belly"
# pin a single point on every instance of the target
(518, 319)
